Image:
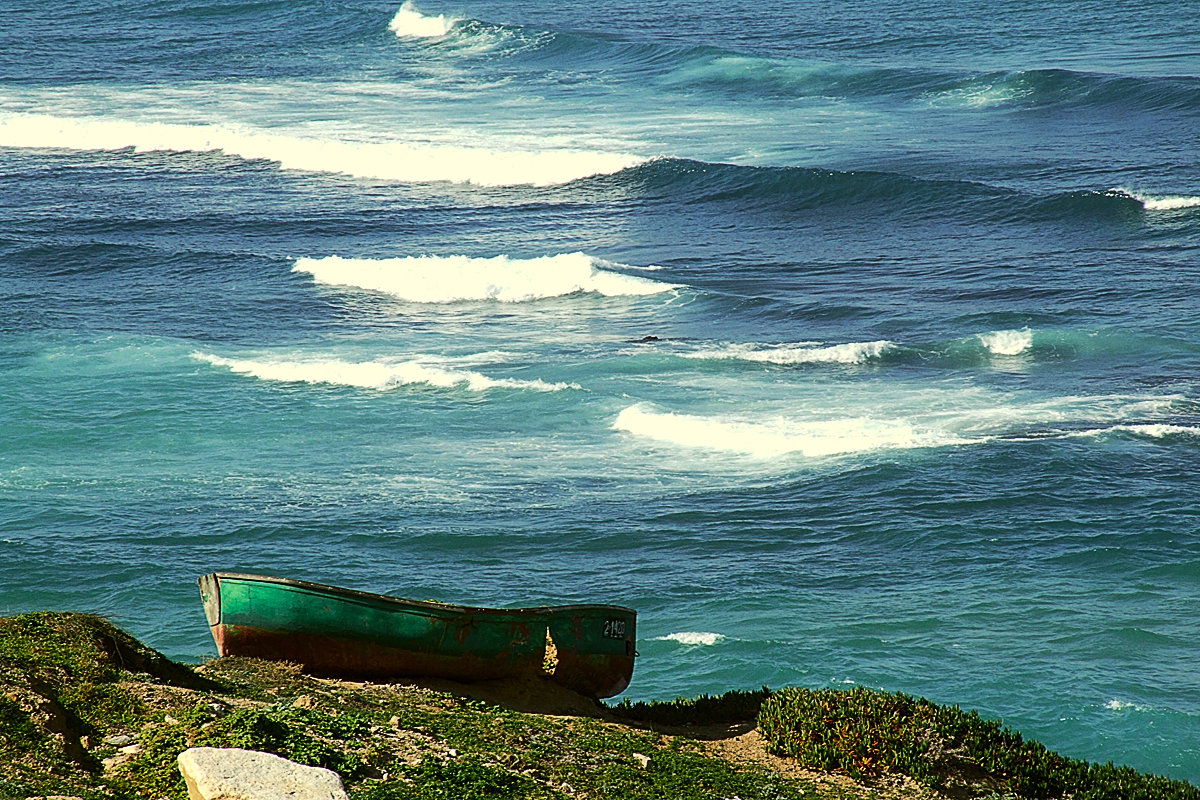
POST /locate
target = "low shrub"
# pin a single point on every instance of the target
(867, 734)
(728, 708)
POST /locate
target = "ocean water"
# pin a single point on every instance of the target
(853, 343)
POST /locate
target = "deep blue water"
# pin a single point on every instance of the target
(852, 343)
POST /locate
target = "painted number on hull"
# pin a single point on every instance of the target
(614, 628)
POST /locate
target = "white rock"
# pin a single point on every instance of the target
(219, 773)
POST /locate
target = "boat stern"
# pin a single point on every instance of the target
(595, 648)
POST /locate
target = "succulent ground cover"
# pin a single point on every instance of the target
(88, 711)
(868, 734)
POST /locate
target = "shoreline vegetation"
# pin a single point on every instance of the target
(87, 711)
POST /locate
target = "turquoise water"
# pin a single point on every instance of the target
(851, 345)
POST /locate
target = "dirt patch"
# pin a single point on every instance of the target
(749, 748)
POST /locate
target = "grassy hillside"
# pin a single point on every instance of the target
(88, 711)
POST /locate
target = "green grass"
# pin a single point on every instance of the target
(468, 778)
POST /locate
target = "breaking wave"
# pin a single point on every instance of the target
(799, 353)
(844, 424)
(1145, 430)
(408, 161)
(1162, 202)
(995, 348)
(462, 37)
(1007, 343)
(450, 279)
(741, 74)
(501, 163)
(409, 22)
(378, 375)
(772, 438)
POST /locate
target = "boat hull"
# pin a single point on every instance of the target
(333, 631)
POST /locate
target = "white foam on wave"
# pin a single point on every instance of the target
(797, 353)
(839, 422)
(979, 95)
(450, 279)
(693, 638)
(378, 375)
(1149, 430)
(771, 438)
(398, 160)
(1163, 202)
(411, 23)
(1117, 704)
(1007, 343)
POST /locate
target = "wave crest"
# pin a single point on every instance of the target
(377, 375)
(1168, 202)
(408, 161)
(411, 23)
(798, 353)
(772, 438)
(1007, 343)
(450, 279)
(1149, 430)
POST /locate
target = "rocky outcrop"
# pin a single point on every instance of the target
(220, 773)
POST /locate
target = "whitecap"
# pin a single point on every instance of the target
(378, 375)
(411, 23)
(450, 279)
(1163, 202)
(1150, 430)
(694, 638)
(797, 353)
(1007, 343)
(1122, 705)
(775, 437)
(417, 161)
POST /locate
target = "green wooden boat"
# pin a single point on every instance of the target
(333, 631)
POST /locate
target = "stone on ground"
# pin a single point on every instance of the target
(225, 773)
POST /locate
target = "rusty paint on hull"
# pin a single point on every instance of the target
(594, 675)
(334, 656)
(334, 631)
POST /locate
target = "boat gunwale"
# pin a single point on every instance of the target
(432, 605)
